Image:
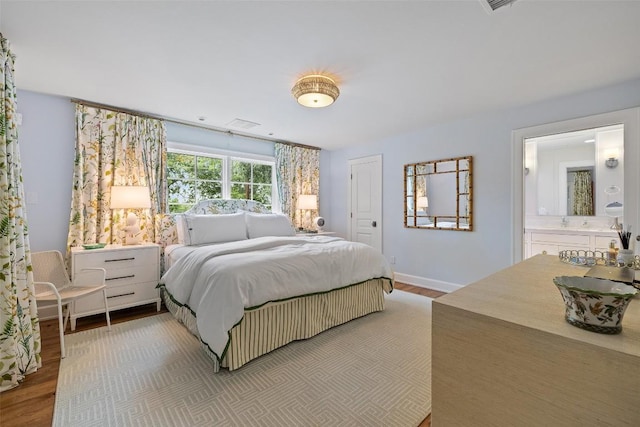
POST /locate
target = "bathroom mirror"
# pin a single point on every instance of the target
(438, 194)
(574, 173)
(620, 181)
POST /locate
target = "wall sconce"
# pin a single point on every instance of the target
(611, 162)
(131, 197)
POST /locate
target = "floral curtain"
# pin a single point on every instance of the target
(583, 193)
(19, 327)
(298, 172)
(114, 148)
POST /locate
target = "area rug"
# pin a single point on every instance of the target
(372, 371)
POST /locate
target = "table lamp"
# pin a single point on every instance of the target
(422, 203)
(307, 202)
(131, 197)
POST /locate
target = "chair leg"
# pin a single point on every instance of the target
(106, 310)
(66, 318)
(61, 328)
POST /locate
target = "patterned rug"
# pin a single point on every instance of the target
(372, 371)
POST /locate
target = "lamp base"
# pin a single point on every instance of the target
(132, 236)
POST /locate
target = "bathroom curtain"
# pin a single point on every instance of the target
(297, 172)
(583, 193)
(19, 327)
(115, 148)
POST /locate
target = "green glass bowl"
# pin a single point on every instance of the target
(94, 245)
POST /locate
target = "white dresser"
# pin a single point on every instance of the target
(132, 274)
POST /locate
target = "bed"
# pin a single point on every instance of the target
(240, 279)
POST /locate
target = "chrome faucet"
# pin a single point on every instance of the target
(564, 221)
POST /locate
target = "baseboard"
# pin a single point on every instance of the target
(424, 282)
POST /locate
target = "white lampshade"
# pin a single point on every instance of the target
(422, 202)
(307, 201)
(130, 197)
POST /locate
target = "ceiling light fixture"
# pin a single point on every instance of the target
(315, 91)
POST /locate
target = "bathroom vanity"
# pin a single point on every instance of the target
(553, 240)
(503, 354)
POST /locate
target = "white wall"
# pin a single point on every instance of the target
(452, 257)
(207, 138)
(47, 149)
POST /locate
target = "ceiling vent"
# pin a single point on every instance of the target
(491, 5)
(242, 124)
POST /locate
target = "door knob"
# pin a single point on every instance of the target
(373, 224)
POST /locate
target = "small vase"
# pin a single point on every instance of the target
(626, 257)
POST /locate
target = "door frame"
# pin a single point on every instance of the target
(377, 159)
(630, 118)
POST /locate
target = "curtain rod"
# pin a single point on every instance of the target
(186, 123)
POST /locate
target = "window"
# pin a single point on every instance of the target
(195, 176)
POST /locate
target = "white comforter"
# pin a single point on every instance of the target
(219, 281)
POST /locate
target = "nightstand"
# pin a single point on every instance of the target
(132, 274)
(319, 233)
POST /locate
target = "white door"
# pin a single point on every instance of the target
(365, 201)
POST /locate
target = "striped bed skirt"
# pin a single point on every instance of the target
(276, 324)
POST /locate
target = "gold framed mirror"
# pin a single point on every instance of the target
(438, 194)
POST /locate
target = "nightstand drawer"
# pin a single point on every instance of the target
(130, 275)
(117, 259)
(118, 297)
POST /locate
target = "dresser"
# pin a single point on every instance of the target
(503, 355)
(132, 274)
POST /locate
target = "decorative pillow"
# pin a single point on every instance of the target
(260, 225)
(182, 229)
(204, 229)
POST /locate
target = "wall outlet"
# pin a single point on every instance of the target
(392, 260)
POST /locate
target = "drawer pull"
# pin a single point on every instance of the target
(120, 259)
(122, 295)
(121, 277)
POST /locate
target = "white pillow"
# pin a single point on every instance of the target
(216, 228)
(260, 225)
(181, 227)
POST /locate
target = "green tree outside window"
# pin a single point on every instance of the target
(193, 177)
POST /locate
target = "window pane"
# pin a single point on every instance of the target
(261, 174)
(181, 191)
(240, 171)
(241, 191)
(209, 190)
(179, 208)
(209, 168)
(195, 177)
(262, 194)
(181, 166)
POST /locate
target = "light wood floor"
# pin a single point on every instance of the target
(32, 402)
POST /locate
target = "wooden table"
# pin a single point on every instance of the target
(503, 355)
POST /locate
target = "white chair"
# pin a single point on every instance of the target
(52, 284)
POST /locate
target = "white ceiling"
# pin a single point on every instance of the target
(400, 65)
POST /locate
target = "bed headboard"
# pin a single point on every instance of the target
(167, 233)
